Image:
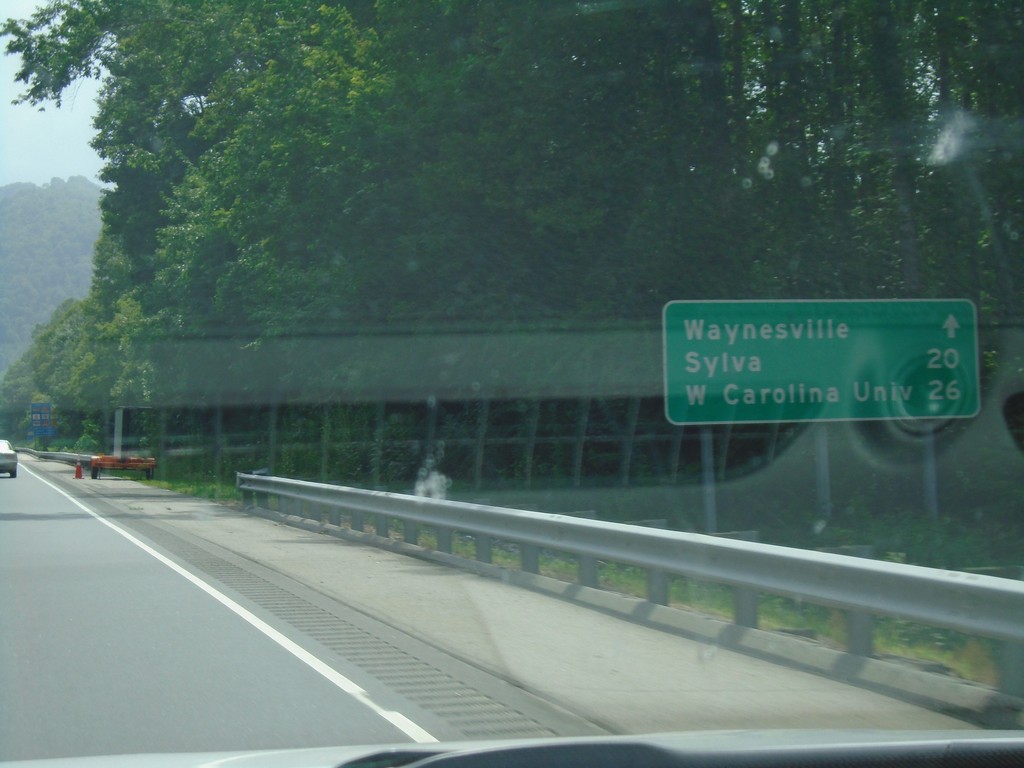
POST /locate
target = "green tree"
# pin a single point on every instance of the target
(295, 167)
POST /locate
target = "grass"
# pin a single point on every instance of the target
(970, 658)
(202, 488)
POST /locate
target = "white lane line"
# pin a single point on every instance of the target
(397, 719)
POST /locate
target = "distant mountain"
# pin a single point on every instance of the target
(47, 236)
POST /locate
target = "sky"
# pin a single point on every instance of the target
(39, 146)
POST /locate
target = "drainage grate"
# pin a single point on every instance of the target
(468, 710)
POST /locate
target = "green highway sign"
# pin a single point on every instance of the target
(770, 361)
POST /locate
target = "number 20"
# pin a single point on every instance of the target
(943, 358)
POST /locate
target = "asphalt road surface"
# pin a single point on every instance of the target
(110, 648)
(134, 620)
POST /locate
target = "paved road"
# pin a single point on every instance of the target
(139, 620)
(107, 649)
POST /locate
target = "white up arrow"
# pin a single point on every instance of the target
(951, 326)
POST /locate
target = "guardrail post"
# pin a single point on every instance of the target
(860, 626)
(657, 587)
(381, 521)
(410, 532)
(1011, 669)
(587, 575)
(333, 514)
(356, 523)
(530, 558)
(744, 599)
(483, 549)
(1010, 655)
(444, 540)
(247, 496)
(860, 633)
(744, 606)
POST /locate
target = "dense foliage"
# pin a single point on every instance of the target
(288, 168)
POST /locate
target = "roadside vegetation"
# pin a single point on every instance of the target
(290, 174)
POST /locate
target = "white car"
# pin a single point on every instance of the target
(8, 458)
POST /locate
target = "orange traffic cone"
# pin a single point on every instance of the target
(78, 470)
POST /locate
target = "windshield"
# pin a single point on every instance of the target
(410, 371)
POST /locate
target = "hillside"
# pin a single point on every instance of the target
(47, 235)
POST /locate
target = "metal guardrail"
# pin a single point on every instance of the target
(979, 605)
(62, 456)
